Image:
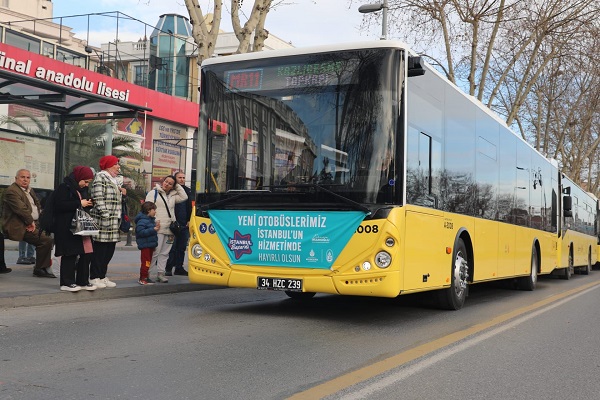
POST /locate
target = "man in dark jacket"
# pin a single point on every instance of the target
(21, 210)
(183, 211)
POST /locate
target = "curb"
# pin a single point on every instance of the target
(98, 294)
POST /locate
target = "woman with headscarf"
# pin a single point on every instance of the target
(107, 195)
(67, 199)
(165, 195)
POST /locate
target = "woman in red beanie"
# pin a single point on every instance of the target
(107, 194)
(68, 198)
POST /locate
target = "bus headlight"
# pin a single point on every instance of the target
(196, 251)
(383, 259)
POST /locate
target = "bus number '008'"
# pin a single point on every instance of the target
(367, 229)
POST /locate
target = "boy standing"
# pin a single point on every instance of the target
(146, 236)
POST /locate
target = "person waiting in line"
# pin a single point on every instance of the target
(68, 199)
(165, 195)
(21, 209)
(146, 237)
(26, 253)
(107, 196)
(84, 260)
(3, 268)
(183, 211)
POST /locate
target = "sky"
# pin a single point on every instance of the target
(301, 22)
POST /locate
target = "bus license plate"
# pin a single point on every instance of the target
(292, 285)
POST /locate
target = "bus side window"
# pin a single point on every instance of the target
(424, 161)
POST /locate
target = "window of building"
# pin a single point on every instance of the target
(21, 41)
(141, 75)
(70, 57)
(48, 49)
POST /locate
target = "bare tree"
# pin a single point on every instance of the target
(204, 37)
(205, 31)
(532, 61)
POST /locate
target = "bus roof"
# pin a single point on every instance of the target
(307, 50)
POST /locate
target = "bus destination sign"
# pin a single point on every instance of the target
(245, 80)
(290, 76)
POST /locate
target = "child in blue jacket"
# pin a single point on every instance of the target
(146, 236)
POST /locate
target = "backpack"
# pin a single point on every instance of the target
(46, 219)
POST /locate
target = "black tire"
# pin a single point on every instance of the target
(529, 282)
(567, 272)
(453, 298)
(588, 268)
(300, 295)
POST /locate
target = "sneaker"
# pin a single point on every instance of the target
(23, 261)
(5, 270)
(99, 283)
(31, 260)
(161, 278)
(146, 281)
(108, 283)
(168, 273)
(181, 271)
(89, 287)
(71, 288)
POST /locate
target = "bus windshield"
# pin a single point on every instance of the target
(288, 123)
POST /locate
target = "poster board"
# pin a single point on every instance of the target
(33, 153)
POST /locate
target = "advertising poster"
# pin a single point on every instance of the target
(290, 239)
(169, 147)
(32, 153)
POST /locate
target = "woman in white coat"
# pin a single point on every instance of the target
(165, 194)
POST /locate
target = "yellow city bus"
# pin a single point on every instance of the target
(579, 239)
(359, 170)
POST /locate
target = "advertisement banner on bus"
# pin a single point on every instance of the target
(291, 239)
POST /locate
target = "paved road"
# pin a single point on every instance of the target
(248, 344)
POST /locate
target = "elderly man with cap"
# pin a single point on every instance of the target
(69, 197)
(21, 210)
(107, 195)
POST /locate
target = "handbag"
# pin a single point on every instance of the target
(125, 224)
(175, 227)
(83, 224)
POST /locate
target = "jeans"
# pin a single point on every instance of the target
(26, 250)
(177, 253)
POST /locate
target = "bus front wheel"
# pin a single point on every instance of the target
(569, 270)
(588, 268)
(453, 298)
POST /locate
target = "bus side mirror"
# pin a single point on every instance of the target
(415, 66)
(567, 206)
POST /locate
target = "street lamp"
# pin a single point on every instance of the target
(369, 8)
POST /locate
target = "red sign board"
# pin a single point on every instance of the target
(46, 69)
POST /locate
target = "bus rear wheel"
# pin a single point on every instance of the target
(300, 295)
(453, 298)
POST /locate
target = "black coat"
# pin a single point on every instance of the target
(66, 202)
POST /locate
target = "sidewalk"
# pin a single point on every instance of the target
(20, 288)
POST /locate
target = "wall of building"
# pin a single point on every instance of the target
(31, 9)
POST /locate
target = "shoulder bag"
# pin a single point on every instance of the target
(175, 227)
